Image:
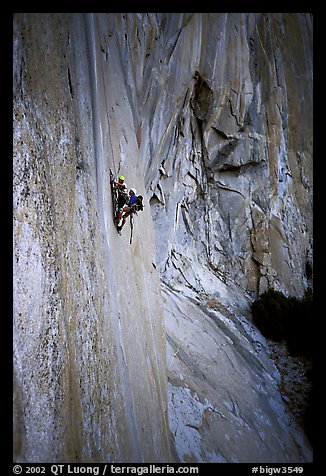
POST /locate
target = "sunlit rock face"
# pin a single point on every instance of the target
(89, 342)
(209, 116)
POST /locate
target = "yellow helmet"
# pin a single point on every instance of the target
(121, 178)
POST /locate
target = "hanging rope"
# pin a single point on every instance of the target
(131, 227)
(109, 127)
(107, 115)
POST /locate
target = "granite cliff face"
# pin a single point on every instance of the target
(145, 352)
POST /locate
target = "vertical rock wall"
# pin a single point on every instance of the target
(89, 345)
(231, 148)
(229, 141)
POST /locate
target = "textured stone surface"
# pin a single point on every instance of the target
(209, 116)
(89, 340)
(236, 171)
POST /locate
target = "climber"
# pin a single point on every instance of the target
(119, 185)
(134, 205)
(120, 188)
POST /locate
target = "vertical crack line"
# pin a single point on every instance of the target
(70, 85)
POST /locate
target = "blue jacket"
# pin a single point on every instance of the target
(132, 200)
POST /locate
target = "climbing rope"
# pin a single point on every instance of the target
(131, 227)
(109, 127)
(107, 115)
